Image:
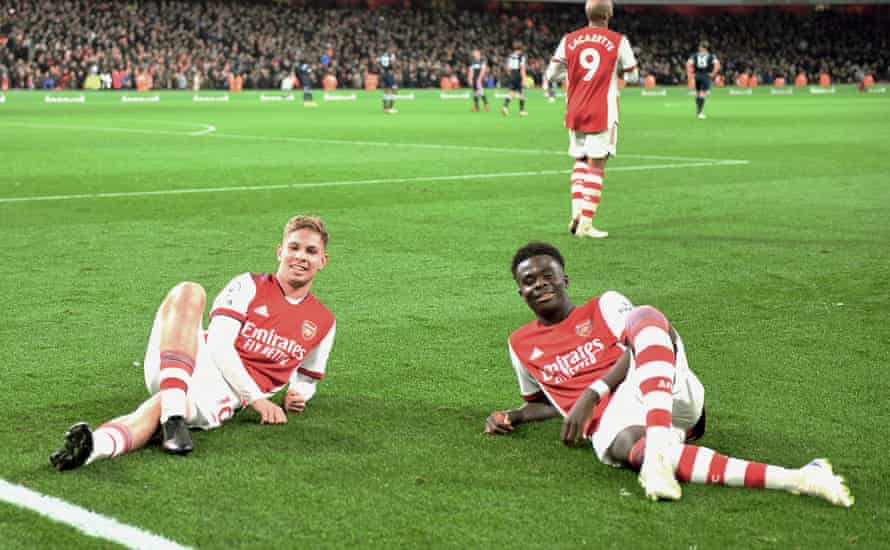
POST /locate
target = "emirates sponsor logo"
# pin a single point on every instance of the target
(308, 330)
(269, 343)
(565, 366)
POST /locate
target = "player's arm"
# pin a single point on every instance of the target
(483, 71)
(221, 337)
(522, 71)
(716, 68)
(557, 68)
(304, 380)
(690, 67)
(630, 70)
(536, 408)
(573, 425)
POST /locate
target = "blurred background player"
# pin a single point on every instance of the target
(267, 330)
(305, 74)
(516, 65)
(476, 77)
(550, 90)
(592, 59)
(390, 86)
(570, 359)
(703, 66)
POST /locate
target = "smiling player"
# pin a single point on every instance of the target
(267, 330)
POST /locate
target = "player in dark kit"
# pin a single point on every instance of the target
(304, 72)
(516, 80)
(476, 78)
(704, 66)
(390, 86)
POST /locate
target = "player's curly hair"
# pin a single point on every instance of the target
(536, 249)
(313, 223)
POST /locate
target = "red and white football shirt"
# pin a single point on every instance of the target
(563, 360)
(594, 58)
(277, 336)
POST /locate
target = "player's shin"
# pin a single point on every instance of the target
(579, 174)
(648, 332)
(110, 440)
(175, 376)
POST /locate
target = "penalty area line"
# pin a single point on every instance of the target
(420, 179)
(85, 521)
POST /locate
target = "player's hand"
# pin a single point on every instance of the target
(294, 402)
(498, 423)
(573, 425)
(270, 413)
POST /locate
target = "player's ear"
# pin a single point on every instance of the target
(565, 279)
(324, 261)
(278, 252)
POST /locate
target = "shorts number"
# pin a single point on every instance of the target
(590, 60)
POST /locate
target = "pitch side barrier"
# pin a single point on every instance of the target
(276, 99)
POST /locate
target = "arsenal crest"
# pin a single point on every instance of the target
(308, 329)
(584, 329)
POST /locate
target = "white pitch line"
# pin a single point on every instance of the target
(187, 191)
(89, 523)
(210, 130)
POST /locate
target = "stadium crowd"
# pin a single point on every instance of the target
(184, 45)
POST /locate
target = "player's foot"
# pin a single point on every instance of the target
(523, 113)
(817, 479)
(657, 478)
(551, 99)
(177, 439)
(475, 109)
(701, 116)
(487, 107)
(588, 231)
(573, 225)
(505, 111)
(76, 450)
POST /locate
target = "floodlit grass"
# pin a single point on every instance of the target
(775, 271)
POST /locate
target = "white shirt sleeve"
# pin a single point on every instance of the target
(527, 384)
(315, 362)
(235, 298)
(615, 307)
(627, 62)
(557, 68)
(221, 337)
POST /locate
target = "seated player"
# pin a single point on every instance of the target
(267, 330)
(570, 360)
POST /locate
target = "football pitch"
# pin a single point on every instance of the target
(761, 232)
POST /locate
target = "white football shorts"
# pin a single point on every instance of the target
(626, 408)
(596, 146)
(211, 401)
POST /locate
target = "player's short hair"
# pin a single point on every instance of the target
(598, 9)
(313, 223)
(536, 249)
(704, 45)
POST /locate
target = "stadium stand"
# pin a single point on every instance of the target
(167, 44)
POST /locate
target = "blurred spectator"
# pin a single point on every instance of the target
(180, 43)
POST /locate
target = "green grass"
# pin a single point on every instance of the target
(775, 272)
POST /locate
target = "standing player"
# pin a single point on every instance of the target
(266, 330)
(704, 66)
(592, 58)
(476, 77)
(304, 71)
(570, 359)
(516, 83)
(390, 86)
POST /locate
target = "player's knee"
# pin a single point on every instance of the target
(186, 296)
(642, 317)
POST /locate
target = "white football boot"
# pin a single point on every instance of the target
(586, 230)
(657, 478)
(817, 479)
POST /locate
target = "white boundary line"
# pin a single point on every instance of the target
(89, 523)
(546, 152)
(188, 191)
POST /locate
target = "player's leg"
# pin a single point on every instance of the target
(115, 437)
(591, 184)
(522, 111)
(307, 96)
(178, 322)
(505, 110)
(580, 176)
(475, 99)
(484, 98)
(393, 91)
